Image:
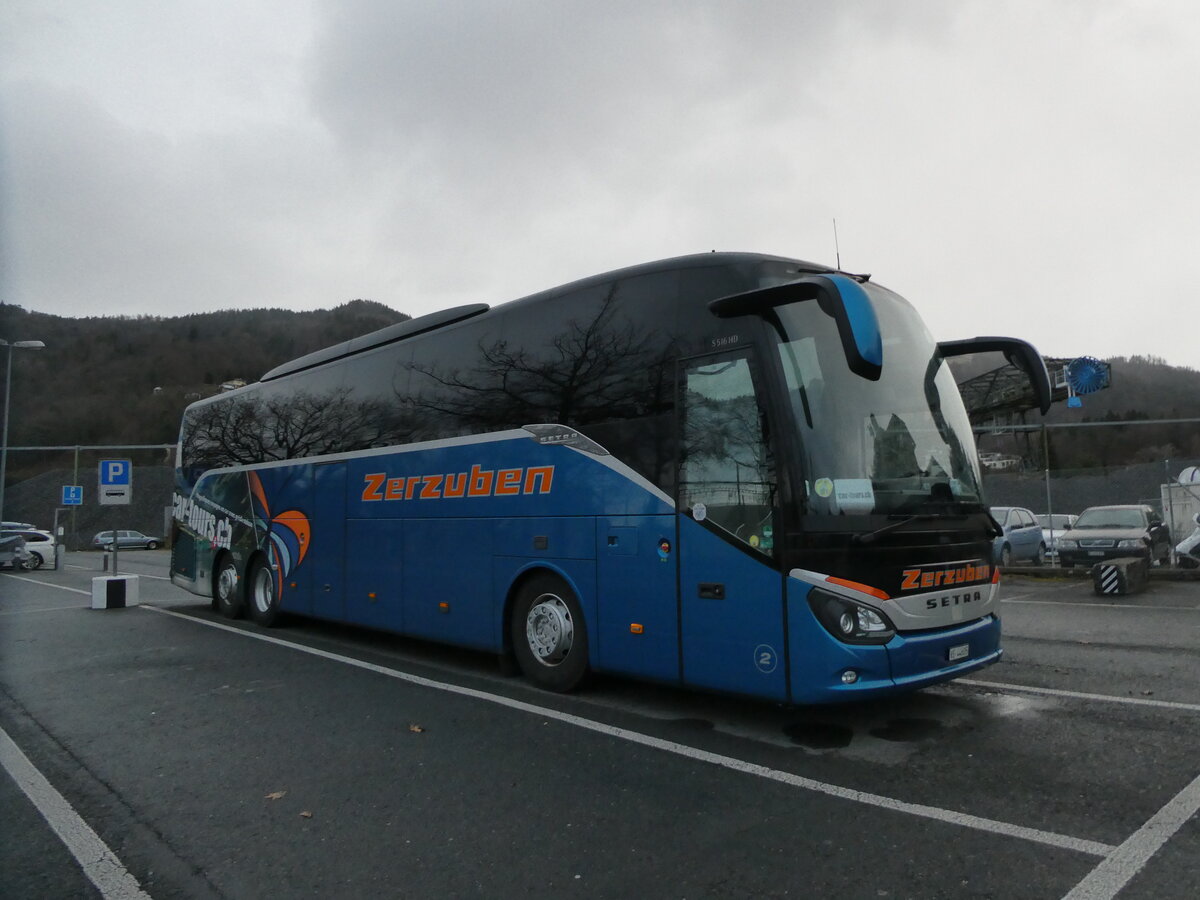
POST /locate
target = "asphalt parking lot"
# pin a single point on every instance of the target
(161, 751)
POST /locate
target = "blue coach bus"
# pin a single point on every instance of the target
(730, 471)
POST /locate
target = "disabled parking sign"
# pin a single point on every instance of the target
(116, 482)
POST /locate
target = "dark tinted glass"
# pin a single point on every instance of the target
(727, 475)
(599, 358)
(310, 414)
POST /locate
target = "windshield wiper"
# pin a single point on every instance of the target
(871, 536)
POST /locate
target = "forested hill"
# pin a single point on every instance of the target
(118, 380)
(1143, 387)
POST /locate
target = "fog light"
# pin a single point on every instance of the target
(849, 676)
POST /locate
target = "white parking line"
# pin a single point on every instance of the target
(57, 587)
(146, 575)
(992, 826)
(1080, 695)
(99, 863)
(40, 609)
(1141, 610)
(139, 574)
(1118, 868)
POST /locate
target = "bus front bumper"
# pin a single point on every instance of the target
(906, 663)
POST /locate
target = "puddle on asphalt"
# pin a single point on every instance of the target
(832, 736)
(819, 735)
(908, 730)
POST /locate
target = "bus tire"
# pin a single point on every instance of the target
(262, 599)
(228, 599)
(549, 635)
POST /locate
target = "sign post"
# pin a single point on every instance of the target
(116, 489)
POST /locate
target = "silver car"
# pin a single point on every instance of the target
(1053, 525)
(126, 540)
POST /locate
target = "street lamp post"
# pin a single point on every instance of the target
(15, 345)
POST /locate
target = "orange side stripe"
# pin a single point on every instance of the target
(859, 586)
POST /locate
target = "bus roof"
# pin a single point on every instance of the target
(442, 318)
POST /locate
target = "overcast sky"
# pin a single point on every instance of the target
(1025, 168)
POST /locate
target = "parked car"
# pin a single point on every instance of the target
(40, 545)
(126, 540)
(1022, 538)
(1053, 525)
(12, 550)
(1107, 532)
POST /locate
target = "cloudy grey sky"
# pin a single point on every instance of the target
(1024, 168)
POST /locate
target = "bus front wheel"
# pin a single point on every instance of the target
(549, 635)
(261, 593)
(227, 589)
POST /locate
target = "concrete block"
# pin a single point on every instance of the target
(114, 591)
(1125, 575)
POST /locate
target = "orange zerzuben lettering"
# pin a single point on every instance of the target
(479, 482)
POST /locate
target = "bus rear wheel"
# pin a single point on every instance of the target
(227, 589)
(549, 635)
(261, 593)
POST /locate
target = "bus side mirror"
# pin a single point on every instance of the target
(1019, 353)
(839, 296)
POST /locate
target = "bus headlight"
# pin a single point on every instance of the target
(848, 621)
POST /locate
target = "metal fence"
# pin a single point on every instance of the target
(37, 476)
(1074, 490)
(1029, 477)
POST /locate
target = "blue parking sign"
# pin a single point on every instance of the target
(116, 482)
(72, 495)
(115, 472)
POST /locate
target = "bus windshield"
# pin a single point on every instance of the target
(875, 447)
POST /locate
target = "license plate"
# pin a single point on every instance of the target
(1095, 553)
(962, 651)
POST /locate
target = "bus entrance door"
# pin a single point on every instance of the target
(731, 594)
(731, 610)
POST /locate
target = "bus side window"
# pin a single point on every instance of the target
(726, 472)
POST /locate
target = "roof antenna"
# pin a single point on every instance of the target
(836, 249)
